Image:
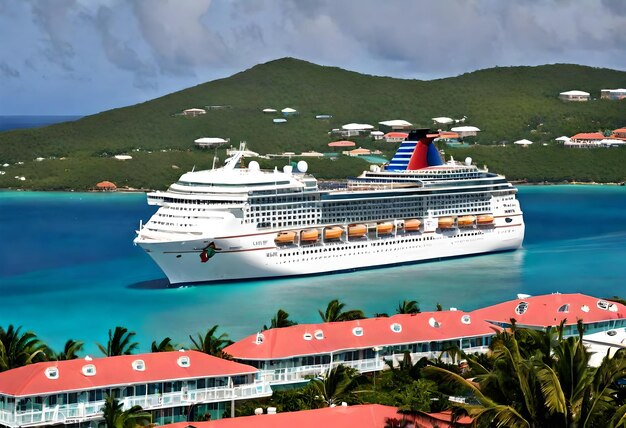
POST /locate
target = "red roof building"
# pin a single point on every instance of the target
(362, 416)
(620, 133)
(588, 137)
(342, 143)
(395, 137)
(166, 383)
(539, 312)
(292, 354)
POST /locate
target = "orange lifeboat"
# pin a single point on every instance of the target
(485, 219)
(384, 228)
(412, 225)
(309, 235)
(466, 221)
(285, 238)
(357, 230)
(333, 232)
(446, 222)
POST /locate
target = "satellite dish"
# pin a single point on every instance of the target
(468, 161)
(254, 166)
(303, 166)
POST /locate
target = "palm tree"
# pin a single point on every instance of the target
(212, 344)
(120, 342)
(115, 417)
(408, 307)
(334, 312)
(531, 386)
(281, 319)
(19, 349)
(70, 351)
(165, 345)
(336, 386)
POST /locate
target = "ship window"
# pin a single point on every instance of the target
(183, 361)
(89, 370)
(521, 308)
(396, 328)
(357, 331)
(603, 304)
(564, 308)
(52, 373)
(508, 220)
(139, 365)
(307, 336)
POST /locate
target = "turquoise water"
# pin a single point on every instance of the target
(374, 159)
(68, 269)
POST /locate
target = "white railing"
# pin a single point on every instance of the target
(73, 413)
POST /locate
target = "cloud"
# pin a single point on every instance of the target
(7, 71)
(52, 18)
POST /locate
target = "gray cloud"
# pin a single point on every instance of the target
(52, 18)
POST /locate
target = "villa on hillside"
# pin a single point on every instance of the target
(613, 94)
(193, 112)
(620, 133)
(395, 125)
(597, 139)
(358, 152)
(396, 137)
(574, 95)
(172, 386)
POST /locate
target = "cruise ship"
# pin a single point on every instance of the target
(238, 223)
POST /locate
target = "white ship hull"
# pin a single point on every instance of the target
(257, 256)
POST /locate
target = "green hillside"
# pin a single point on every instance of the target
(506, 103)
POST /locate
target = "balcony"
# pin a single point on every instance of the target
(80, 412)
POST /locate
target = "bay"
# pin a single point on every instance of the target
(8, 123)
(68, 269)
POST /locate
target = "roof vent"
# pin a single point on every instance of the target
(433, 323)
(52, 373)
(453, 309)
(603, 304)
(89, 370)
(395, 327)
(259, 338)
(319, 334)
(563, 308)
(584, 308)
(357, 331)
(307, 336)
(521, 308)
(88, 358)
(183, 361)
(139, 365)
(466, 319)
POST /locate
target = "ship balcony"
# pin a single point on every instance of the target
(41, 414)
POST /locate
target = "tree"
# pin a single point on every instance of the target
(336, 386)
(281, 319)
(212, 344)
(408, 307)
(165, 345)
(334, 312)
(70, 351)
(116, 417)
(119, 343)
(19, 349)
(531, 384)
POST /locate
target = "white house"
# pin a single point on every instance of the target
(193, 112)
(210, 142)
(574, 95)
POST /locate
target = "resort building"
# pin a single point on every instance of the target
(295, 354)
(613, 94)
(396, 137)
(358, 152)
(193, 112)
(170, 385)
(596, 139)
(377, 135)
(362, 416)
(620, 133)
(574, 96)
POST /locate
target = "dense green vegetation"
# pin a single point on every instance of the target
(507, 103)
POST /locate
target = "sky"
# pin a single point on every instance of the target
(86, 56)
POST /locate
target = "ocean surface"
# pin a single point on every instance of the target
(68, 269)
(22, 122)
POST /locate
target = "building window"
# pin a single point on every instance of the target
(52, 373)
(563, 308)
(184, 361)
(319, 334)
(466, 319)
(357, 331)
(139, 365)
(521, 308)
(89, 370)
(307, 336)
(396, 328)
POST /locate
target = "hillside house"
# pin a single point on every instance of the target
(358, 152)
(620, 133)
(395, 125)
(574, 95)
(193, 112)
(613, 94)
(210, 142)
(396, 137)
(288, 111)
